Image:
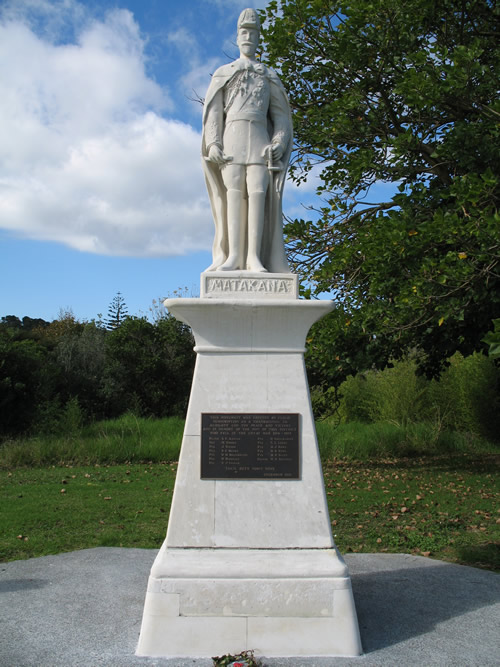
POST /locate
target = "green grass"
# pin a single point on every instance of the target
(444, 507)
(131, 439)
(390, 488)
(123, 440)
(359, 441)
(51, 510)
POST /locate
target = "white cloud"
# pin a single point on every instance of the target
(195, 82)
(86, 157)
(237, 5)
(186, 42)
(195, 79)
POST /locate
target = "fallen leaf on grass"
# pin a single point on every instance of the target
(426, 553)
(63, 490)
(107, 497)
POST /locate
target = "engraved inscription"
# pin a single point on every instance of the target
(250, 285)
(249, 446)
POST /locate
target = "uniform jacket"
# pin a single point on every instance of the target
(273, 252)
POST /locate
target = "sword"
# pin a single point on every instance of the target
(270, 162)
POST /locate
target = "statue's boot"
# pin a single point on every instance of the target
(256, 204)
(234, 231)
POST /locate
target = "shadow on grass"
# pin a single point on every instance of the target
(484, 463)
(485, 555)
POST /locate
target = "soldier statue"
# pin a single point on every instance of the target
(247, 140)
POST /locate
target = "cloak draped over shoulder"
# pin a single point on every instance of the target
(272, 253)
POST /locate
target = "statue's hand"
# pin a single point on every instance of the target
(216, 155)
(277, 151)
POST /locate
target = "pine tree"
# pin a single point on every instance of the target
(117, 312)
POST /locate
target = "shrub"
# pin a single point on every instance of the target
(465, 399)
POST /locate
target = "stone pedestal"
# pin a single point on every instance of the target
(249, 564)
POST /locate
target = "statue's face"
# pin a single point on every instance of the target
(248, 40)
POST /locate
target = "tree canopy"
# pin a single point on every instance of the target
(117, 312)
(56, 368)
(398, 98)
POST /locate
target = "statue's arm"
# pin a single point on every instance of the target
(214, 129)
(279, 111)
(214, 121)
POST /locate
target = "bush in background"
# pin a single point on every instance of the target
(56, 376)
(465, 399)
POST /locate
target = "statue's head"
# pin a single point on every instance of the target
(248, 32)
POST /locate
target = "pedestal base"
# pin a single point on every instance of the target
(249, 564)
(277, 602)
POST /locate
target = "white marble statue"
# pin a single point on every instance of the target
(247, 140)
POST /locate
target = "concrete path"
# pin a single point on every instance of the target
(85, 607)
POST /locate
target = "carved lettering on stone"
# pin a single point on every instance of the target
(274, 286)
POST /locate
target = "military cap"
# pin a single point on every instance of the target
(249, 19)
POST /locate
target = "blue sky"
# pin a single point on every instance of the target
(101, 187)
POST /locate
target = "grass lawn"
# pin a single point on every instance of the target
(51, 510)
(442, 507)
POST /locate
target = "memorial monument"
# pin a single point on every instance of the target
(249, 561)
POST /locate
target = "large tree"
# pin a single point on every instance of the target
(149, 367)
(117, 312)
(402, 98)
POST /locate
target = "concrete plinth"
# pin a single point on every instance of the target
(249, 564)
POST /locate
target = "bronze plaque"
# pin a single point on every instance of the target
(249, 446)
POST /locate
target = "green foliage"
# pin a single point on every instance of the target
(126, 439)
(465, 399)
(394, 395)
(243, 659)
(382, 440)
(55, 376)
(150, 367)
(72, 418)
(134, 439)
(81, 354)
(26, 379)
(406, 95)
(117, 312)
(492, 339)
